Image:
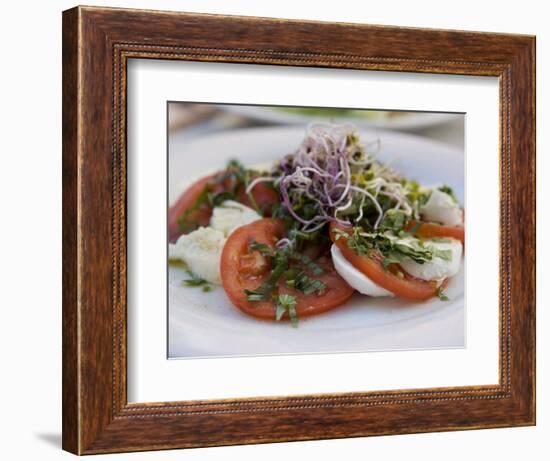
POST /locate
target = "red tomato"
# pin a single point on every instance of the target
(243, 269)
(405, 287)
(264, 197)
(433, 230)
(199, 217)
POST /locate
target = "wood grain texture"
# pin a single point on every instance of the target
(97, 43)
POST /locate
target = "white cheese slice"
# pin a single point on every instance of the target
(441, 208)
(355, 278)
(230, 215)
(437, 268)
(201, 250)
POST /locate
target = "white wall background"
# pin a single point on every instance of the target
(30, 235)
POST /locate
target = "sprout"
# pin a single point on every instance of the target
(332, 178)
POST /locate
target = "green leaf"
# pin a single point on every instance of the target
(263, 292)
(394, 220)
(262, 248)
(293, 316)
(313, 267)
(194, 280)
(279, 312)
(307, 285)
(441, 295)
(286, 303)
(447, 190)
(187, 225)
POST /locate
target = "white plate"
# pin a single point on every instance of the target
(405, 121)
(208, 325)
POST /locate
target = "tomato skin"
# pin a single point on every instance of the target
(264, 196)
(408, 287)
(186, 201)
(239, 273)
(433, 230)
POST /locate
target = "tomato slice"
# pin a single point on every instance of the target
(433, 230)
(405, 287)
(264, 198)
(245, 269)
(199, 217)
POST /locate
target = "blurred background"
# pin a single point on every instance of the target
(189, 123)
(192, 120)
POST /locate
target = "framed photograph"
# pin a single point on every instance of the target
(284, 230)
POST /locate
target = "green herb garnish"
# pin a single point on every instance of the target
(447, 190)
(184, 222)
(261, 248)
(394, 220)
(195, 281)
(300, 281)
(286, 303)
(393, 248)
(441, 294)
(306, 261)
(263, 292)
(295, 277)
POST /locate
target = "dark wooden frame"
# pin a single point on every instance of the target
(97, 43)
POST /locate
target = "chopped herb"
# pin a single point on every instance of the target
(306, 261)
(263, 292)
(441, 294)
(295, 277)
(394, 220)
(447, 190)
(259, 294)
(262, 248)
(232, 180)
(286, 303)
(392, 248)
(195, 280)
(300, 281)
(416, 195)
(184, 222)
(207, 288)
(220, 197)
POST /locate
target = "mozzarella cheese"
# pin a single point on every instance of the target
(201, 250)
(437, 268)
(230, 215)
(355, 278)
(441, 208)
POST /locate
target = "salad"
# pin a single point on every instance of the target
(301, 236)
